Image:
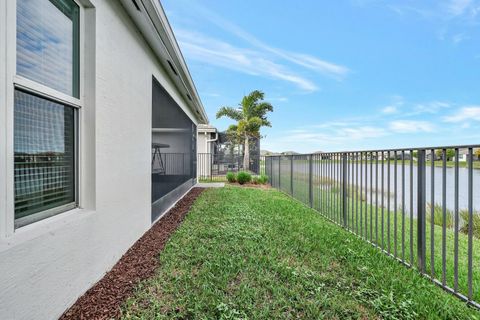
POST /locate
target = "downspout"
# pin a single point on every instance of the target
(211, 140)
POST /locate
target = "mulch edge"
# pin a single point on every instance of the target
(105, 298)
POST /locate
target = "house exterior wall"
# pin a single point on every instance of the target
(202, 142)
(203, 145)
(47, 265)
(205, 153)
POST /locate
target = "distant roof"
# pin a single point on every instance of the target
(206, 128)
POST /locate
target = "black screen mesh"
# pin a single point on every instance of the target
(173, 144)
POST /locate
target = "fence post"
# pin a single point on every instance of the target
(279, 172)
(270, 176)
(344, 189)
(211, 165)
(310, 181)
(421, 225)
(265, 171)
(291, 174)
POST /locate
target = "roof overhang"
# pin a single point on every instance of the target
(152, 22)
(206, 128)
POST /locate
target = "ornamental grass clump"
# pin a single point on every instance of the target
(231, 177)
(438, 215)
(476, 223)
(262, 179)
(244, 177)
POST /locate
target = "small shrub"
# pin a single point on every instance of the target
(438, 215)
(244, 177)
(256, 180)
(231, 177)
(263, 179)
(476, 223)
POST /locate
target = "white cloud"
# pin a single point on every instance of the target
(459, 37)
(463, 11)
(465, 114)
(308, 61)
(458, 7)
(316, 64)
(397, 101)
(411, 126)
(339, 135)
(202, 48)
(430, 107)
(335, 133)
(281, 99)
(390, 110)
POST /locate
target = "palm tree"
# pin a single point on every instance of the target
(251, 115)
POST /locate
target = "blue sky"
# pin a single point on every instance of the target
(342, 75)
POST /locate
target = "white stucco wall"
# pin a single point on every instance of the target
(46, 266)
(202, 142)
(205, 151)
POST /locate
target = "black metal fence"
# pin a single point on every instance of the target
(420, 206)
(214, 167)
(169, 171)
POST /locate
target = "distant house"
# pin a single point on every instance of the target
(207, 138)
(429, 156)
(401, 156)
(463, 155)
(289, 153)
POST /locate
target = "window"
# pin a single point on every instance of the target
(45, 130)
(44, 155)
(48, 43)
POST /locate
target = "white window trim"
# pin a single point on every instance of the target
(8, 84)
(43, 91)
(3, 117)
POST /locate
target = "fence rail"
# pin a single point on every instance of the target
(420, 206)
(214, 167)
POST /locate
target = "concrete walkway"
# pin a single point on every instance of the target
(210, 185)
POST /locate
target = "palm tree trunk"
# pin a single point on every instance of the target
(246, 155)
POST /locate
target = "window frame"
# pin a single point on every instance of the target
(13, 82)
(34, 217)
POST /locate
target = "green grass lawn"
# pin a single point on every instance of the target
(258, 254)
(326, 200)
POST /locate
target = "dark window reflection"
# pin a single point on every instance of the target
(47, 43)
(44, 147)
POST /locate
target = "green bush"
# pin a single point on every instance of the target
(256, 180)
(244, 177)
(231, 177)
(263, 179)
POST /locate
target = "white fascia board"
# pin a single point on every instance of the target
(155, 28)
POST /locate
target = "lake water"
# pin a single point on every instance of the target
(369, 181)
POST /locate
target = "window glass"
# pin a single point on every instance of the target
(48, 42)
(44, 145)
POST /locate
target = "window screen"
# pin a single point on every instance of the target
(173, 146)
(48, 43)
(44, 145)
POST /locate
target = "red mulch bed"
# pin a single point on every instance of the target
(104, 299)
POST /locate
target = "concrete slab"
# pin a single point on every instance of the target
(210, 185)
